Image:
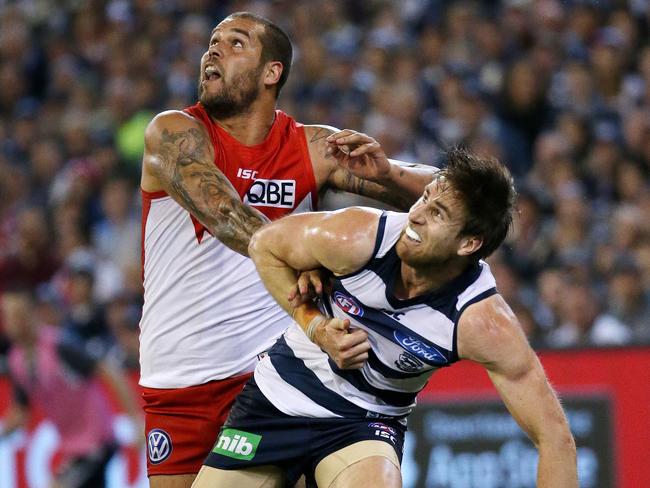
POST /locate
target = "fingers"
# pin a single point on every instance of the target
(316, 281)
(354, 365)
(354, 358)
(338, 324)
(303, 283)
(293, 293)
(309, 285)
(349, 137)
(358, 352)
(350, 143)
(348, 350)
(364, 149)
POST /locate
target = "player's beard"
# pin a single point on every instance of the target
(234, 98)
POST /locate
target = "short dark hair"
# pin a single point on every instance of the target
(487, 193)
(276, 45)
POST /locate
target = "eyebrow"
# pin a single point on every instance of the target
(234, 29)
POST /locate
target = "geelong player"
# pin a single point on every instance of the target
(417, 285)
(212, 174)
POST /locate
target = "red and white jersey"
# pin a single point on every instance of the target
(206, 312)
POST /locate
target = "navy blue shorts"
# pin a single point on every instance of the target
(257, 434)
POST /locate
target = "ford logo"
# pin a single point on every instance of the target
(419, 349)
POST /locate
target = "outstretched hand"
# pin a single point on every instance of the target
(359, 153)
(348, 349)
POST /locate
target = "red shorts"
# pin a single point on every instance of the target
(182, 424)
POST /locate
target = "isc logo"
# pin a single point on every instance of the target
(271, 193)
(246, 174)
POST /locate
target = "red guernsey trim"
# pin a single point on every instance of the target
(309, 166)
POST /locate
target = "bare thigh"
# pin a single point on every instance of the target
(171, 481)
(372, 472)
(258, 477)
(372, 464)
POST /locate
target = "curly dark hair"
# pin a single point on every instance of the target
(487, 193)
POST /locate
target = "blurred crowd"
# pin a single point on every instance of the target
(558, 90)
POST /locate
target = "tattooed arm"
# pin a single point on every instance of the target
(355, 162)
(179, 159)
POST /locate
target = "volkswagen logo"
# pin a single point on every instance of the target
(159, 446)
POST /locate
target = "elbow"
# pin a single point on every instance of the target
(256, 246)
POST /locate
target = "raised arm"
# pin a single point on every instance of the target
(488, 333)
(179, 159)
(340, 241)
(355, 162)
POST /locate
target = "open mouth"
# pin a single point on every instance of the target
(211, 73)
(412, 235)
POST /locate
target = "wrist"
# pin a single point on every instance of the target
(308, 318)
(314, 328)
(388, 176)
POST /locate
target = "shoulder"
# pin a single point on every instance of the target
(338, 226)
(352, 220)
(317, 133)
(172, 121)
(353, 229)
(487, 329)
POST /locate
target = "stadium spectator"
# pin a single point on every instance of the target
(61, 380)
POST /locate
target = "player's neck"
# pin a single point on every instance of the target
(251, 127)
(418, 281)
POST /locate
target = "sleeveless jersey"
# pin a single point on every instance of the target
(410, 339)
(206, 313)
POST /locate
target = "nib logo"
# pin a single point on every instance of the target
(237, 444)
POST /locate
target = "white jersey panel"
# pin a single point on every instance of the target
(290, 400)
(278, 391)
(206, 313)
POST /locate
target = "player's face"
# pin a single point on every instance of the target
(231, 71)
(432, 233)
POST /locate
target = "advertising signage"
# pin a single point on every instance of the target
(477, 444)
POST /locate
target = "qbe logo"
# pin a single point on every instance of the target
(348, 304)
(159, 446)
(271, 193)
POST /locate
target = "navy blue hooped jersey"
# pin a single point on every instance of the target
(410, 340)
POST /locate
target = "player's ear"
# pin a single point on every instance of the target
(469, 245)
(272, 73)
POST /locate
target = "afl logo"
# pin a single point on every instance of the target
(348, 304)
(159, 446)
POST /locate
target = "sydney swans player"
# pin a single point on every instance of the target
(212, 174)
